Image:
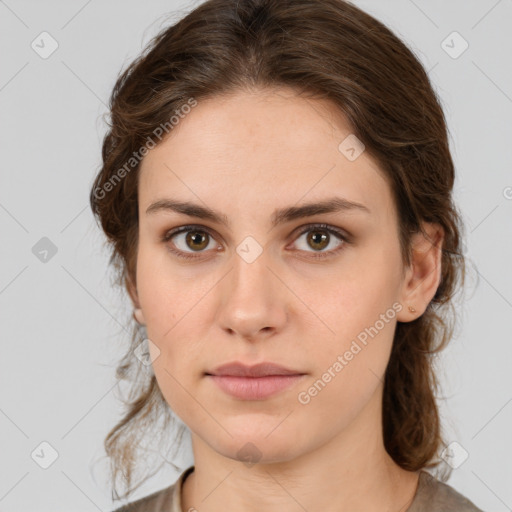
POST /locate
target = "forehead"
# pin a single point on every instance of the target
(247, 149)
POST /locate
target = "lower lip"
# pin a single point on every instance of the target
(254, 388)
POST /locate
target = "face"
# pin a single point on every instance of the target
(318, 294)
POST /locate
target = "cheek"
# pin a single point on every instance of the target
(359, 306)
(168, 287)
(174, 314)
(351, 296)
(178, 368)
(163, 293)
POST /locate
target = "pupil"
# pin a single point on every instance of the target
(316, 241)
(196, 238)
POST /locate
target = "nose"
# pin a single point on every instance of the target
(254, 301)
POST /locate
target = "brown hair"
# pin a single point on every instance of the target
(327, 49)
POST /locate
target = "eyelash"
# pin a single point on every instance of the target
(310, 227)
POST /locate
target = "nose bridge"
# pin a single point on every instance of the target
(252, 301)
(251, 260)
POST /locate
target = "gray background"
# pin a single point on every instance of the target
(63, 325)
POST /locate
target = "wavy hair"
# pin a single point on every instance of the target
(327, 49)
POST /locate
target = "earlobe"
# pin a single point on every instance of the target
(138, 315)
(423, 276)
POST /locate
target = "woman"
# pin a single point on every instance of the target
(276, 186)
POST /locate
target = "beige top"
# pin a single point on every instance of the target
(431, 496)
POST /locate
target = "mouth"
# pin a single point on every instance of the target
(265, 369)
(257, 382)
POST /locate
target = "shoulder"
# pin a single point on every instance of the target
(433, 495)
(164, 500)
(158, 501)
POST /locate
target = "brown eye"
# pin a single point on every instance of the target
(318, 240)
(187, 240)
(197, 240)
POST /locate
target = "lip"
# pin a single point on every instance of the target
(254, 388)
(256, 382)
(265, 369)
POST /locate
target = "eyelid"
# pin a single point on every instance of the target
(189, 227)
(343, 236)
(323, 226)
(187, 255)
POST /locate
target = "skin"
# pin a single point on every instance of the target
(244, 155)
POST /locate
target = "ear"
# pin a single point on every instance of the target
(423, 275)
(132, 291)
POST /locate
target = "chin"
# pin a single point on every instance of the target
(258, 448)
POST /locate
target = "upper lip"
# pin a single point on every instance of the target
(237, 369)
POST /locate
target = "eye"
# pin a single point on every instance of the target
(319, 237)
(189, 237)
(187, 240)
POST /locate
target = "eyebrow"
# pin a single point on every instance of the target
(279, 216)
